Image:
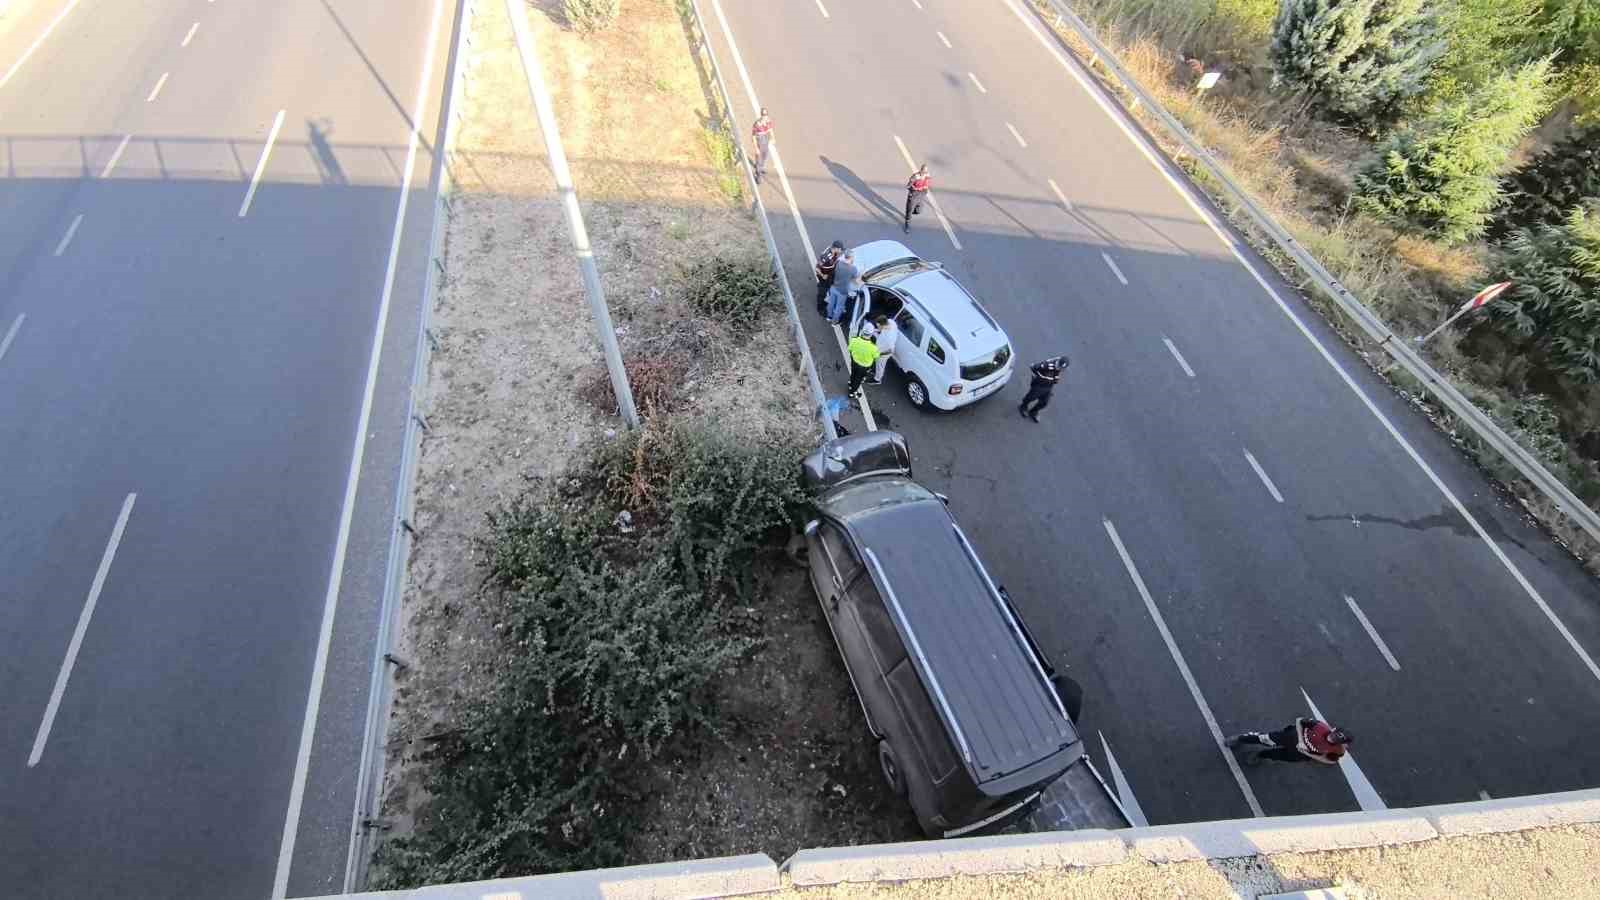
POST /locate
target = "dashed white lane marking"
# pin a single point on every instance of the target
(1016, 134)
(916, 4)
(67, 238)
(156, 91)
(11, 334)
(981, 88)
(1484, 795)
(1114, 270)
(190, 36)
(1372, 633)
(788, 194)
(1059, 195)
(822, 9)
(943, 38)
(1366, 795)
(1405, 445)
(76, 643)
(1262, 474)
(36, 42)
(1130, 803)
(115, 155)
(1183, 669)
(1176, 355)
(932, 200)
(261, 164)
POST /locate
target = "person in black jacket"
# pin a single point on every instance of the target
(1046, 375)
(826, 263)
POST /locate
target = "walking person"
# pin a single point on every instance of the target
(888, 333)
(845, 274)
(1303, 740)
(826, 263)
(761, 134)
(863, 356)
(916, 190)
(1046, 375)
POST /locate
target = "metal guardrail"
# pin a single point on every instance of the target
(808, 366)
(1395, 345)
(369, 774)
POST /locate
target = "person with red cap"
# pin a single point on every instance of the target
(1305, 740)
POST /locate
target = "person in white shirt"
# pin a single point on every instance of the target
(888, 333)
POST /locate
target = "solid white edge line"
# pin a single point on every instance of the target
(822, 9)
(67, 238)
(65, 674)
(1017, 134)
(981, 88)
(1130, 803)
(190, 36)
(788, 194)
(916, 4)
(5, 343)
(156, 91)
(1262, 474)
(1366, 795)
(1372, 633)
(36, 42)
(1059, 195)
(116, 155)
(932, 200)
(330, 602)
(1114, 270)
(1178, 356)
(261, 164)
(943, 38)
(1183, 669)
(1327, 356)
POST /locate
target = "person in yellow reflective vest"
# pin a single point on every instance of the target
(863, 357)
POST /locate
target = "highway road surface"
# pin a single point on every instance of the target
(213, 227)
(1223, 519)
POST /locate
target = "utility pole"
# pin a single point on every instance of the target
(518, 11)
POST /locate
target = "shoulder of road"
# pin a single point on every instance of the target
(1541, 846)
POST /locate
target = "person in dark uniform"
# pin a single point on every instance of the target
(1046, 375)
(761, 136)
(916, 190)
(826, 263)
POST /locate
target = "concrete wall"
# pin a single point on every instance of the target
(1032, 853)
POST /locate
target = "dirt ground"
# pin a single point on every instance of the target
(515, 389)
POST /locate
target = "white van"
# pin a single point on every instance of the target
(951, 350)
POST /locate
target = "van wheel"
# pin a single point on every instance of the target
(892, 774)
(916, 391)
(1071, 694)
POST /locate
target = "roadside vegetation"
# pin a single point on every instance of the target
(1422, 150)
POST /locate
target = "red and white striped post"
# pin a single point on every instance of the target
(1479, 299)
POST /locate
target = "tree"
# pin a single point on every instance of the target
(1545, 190)
(1443, 175)
(1357, 60)
(1484, 38)
(1556, 300)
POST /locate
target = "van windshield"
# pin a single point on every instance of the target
(983, 367)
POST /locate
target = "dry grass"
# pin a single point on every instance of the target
(1298, 169)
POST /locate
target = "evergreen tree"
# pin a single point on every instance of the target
(1556, 300)
(1545, 190)
(1443, 175)
(1356, 59)
(1484, 38)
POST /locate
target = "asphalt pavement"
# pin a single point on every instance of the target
(198, 243)
(1224, 517)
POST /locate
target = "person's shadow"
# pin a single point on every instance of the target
(861, 192)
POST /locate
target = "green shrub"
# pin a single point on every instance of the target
(1356, 60)
(1556, 300)
(733, 290)
(1442, 176)
(1483, 39)
(1250, 21)
(615, 634)
(591, 15)
(1545, 191)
